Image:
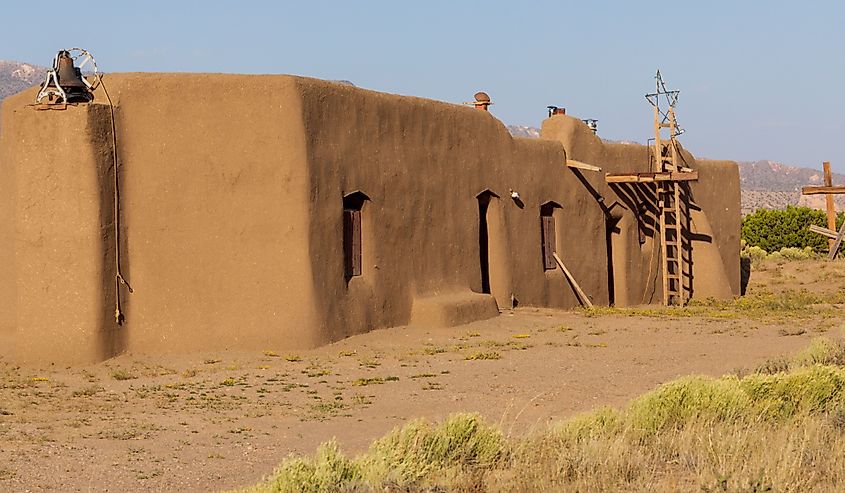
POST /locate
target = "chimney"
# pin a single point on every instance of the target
(482, 101)
(555, 110)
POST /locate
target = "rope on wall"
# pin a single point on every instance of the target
(118, 277)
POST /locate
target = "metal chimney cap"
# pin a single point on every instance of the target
(482, 97)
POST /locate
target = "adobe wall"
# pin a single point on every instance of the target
(55, 296)
(423, 163)
(717, 191)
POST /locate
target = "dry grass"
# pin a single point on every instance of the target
(783, 431)
(765, 305)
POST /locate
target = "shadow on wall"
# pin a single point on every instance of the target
(744, 274)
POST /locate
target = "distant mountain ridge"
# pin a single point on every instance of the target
(778, 177)
(17, 76)
(773, 185)
(523, 131)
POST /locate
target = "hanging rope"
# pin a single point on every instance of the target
(118, 277)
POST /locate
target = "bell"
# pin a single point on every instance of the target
(70, 79)
(64, 82)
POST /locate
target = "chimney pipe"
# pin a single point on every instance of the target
(555, 110)
(482, 101)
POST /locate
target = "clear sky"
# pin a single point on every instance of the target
(758, 79)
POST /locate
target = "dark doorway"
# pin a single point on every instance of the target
(484, 242)
(548, 235)
(610, 229)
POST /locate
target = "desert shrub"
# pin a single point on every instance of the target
(675, 403)
(458, 451)
(793, 253)
(821, 351)
(329, 471)
(599, 423)
(753, 253)
(773, 230)
(420, 450)
(811, 390)
(774, 365)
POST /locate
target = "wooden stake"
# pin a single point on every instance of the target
(838, 241)
(582, 298)
(831, 207)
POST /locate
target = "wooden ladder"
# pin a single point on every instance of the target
(669, 210)
(671, 243)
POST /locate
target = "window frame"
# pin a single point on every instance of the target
(353, 204)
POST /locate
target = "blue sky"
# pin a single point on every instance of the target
(758, 80)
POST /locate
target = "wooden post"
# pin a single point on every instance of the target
(838, 241)
(831, 207)
(834, 238)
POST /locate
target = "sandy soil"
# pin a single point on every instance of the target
(206, 422)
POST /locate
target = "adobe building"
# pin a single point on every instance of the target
(281, 212)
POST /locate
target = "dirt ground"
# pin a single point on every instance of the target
(206, 422)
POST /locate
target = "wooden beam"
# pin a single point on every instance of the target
(582, 298)
(651, 177)
(822, 190)
(578, 164)
(830, 233)
(830, 206)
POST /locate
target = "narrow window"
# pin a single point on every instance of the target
(352, 205)
(547, 235)
(352, 242)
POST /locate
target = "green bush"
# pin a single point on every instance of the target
(773, 230)
(419, 450)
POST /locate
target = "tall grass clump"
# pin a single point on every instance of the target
(462, 446)
(326, 472)
(457, 453)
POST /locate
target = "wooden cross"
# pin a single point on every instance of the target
(828, 190)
